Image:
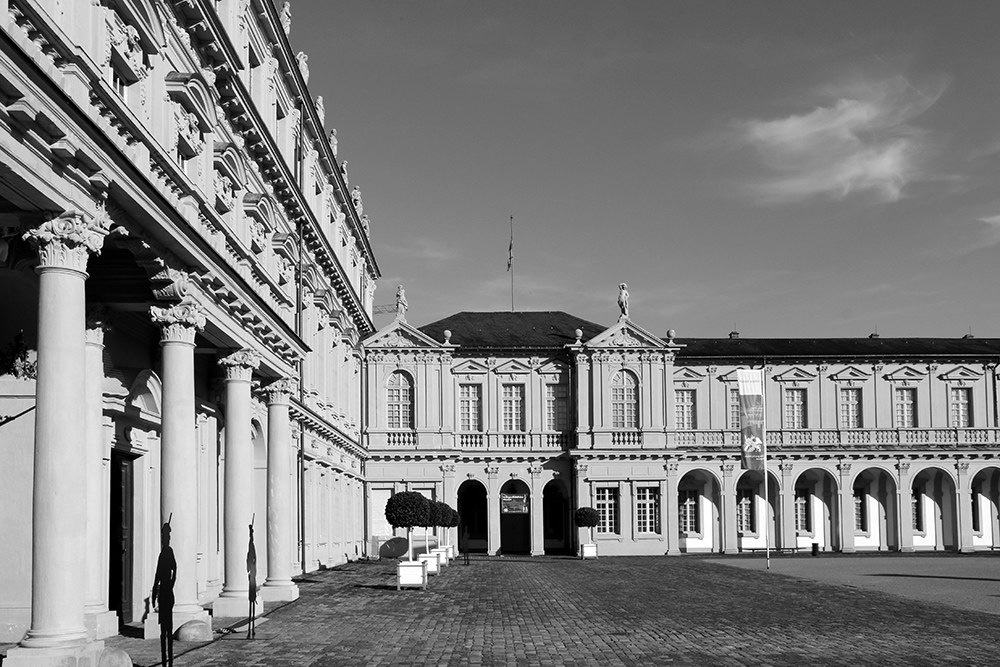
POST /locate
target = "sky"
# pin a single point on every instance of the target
(784, 169)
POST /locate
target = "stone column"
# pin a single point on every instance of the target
(59, 509)
(178, 454)
(493, 509)
(449, 494)
(963, 507)
(237, 508)
(100, 621)
(846, 508)
(730, 541)
(789, 537)
(669, 509)
(536, 509)
(278, 585)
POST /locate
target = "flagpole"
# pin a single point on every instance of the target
(510, 263)
(767, 500)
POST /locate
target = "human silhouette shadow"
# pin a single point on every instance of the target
(163, 587)
(252, 590)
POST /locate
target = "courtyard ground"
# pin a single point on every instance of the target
(835, 610)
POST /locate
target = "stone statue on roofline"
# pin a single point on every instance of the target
(401, 305)
(623, 301)
(302, 58)
(285, 16)
(333, 141)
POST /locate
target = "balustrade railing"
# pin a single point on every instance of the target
(857, 438)
(400, 439)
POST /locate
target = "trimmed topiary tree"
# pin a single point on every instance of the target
(406, 509)
(587, 517)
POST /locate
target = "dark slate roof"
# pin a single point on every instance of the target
(802, 348)
(506, 330)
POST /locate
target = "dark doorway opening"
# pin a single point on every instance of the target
(121, 537)
(555, 518)
(515, 518)
(473, 528)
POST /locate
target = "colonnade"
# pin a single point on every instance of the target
(69, 605)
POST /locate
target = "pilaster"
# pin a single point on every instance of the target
(904, 494)
(963, 495)
(536, 512)
(668, 507)
(730, 542)
(846, 508)
(493, 508)
(788, 534)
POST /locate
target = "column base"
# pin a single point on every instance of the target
(536, 552)
(235, 607)
(151, 627)
(101, 624)
(88, 655)
(279, 592)
(906, 550)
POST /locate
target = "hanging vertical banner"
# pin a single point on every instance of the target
(751, 388)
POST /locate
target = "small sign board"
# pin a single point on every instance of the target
(513, 503)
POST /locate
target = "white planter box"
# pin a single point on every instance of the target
(451, 551)
(411, 574)
(432, 562)
(588, 551)
(442, 555)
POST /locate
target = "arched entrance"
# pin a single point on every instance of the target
(816, 509)
(753, 513)
(555, 518)
(515, 518)
(875, 511)
(473, 527)
(698, 498)
(986, 509)
(933, 511)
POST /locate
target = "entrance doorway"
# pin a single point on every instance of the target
(555, 517)
(473, 527)
(515, 518)
(120, 553)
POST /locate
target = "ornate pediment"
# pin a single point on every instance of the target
(552, 368)
(961, 375)
(470, 367)
(850, 376)
(399, 334)
(906, 375)
(685, 377)
(625, 334)
(795, 376)
(729, 377)
(512, 367)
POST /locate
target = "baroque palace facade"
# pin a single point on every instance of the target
(520, 418)
(185, 278)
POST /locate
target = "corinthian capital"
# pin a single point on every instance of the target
(280, 391)
(67, 240)
(178, 323)
(240, 364)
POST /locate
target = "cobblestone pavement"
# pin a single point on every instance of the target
(611, 611)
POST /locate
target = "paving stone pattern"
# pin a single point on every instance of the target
(610, 611)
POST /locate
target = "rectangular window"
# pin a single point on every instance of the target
(513, 407)
(607, 507)
(470, 407)
(647, 509)
(734, 409)
(119, 82)
(556, 407)
(687, 507)
(917, 511)
(850, 408)
(905, 409)
(803, 515)
(684, 409)
(795, 408)
(961, 407)
(860, 511)
(745, 514)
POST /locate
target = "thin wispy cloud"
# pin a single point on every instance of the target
(859, 140)
(420, 248)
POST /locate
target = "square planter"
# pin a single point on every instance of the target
(431, 561)
(451, 551)
(411, 574)
(588, 551)
(442, 554)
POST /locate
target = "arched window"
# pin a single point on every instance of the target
(624, 401)
(399, 401)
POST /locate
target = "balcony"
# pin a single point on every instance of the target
(400, 439)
